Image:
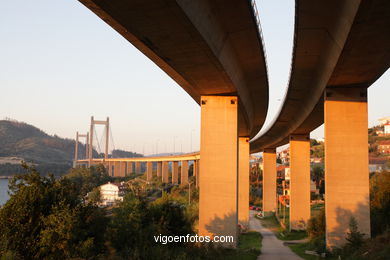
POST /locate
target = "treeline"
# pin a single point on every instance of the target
(57, 170)
(48, 218)
(358, 246)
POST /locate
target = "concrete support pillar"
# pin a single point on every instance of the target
(159, 169)
(164, 172)
(218, 171)
(175, 172)
(130, 168)
(137, 167)
(184, 173)
(299, 181)
(196, 172)
(346, 163)
(149, 171)
(269, 180)
(110, 172)
(122, 172)
(117, 169)
(243, 181)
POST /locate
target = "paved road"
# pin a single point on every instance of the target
(272, 248)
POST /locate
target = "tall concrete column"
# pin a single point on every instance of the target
(110, 173)
(149, 171)
(184, 173)
(269, 180)
(299, 181)
(137, 167)
(243, 181)
(123, 169)
(164, 172)
(117, 169)
(130, 168)
(218, 171)
(346, 163)
(196, 172)
(159, 169)
(175, 172)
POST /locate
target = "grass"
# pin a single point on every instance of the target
(249, 245)
(272, 224)
(300, 249)
(250, 240)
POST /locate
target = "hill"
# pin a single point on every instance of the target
(18, 139)
(50, 154)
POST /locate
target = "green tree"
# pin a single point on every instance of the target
(46, 219)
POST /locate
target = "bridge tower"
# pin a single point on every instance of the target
(107, 131)
(76, 147)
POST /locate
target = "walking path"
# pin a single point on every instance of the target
(272, 248)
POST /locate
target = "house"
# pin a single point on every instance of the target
(385, 122)
(284, 155)
(384, 147)
(110, 193)
(281, 171)
(386, 128)
(377, 164)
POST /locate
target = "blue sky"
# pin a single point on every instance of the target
(60, 64)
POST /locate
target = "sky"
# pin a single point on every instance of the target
(60, 64)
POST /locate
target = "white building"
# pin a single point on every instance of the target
(385, 122)
(110, 193)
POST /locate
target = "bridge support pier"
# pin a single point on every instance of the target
(243, 181)
(196, 172)
(299, 181)
(165, 174)
(149, 171)
(130, 168)
(117, 169)
(110, 173)
(137, 167)
(346, 163)
(184, 173)
(122, 172)
(218, 171)
(269, 180)
(159, 168)
(175, 172)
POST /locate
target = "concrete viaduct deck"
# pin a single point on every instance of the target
(340, 49)
(214, 51)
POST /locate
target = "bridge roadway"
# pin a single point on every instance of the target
(213, 49)
(340, 49)
(121, 167)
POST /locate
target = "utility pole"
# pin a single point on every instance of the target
(189, 193)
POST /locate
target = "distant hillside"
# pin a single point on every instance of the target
(50, 154)
(124, 154)
(25, 141)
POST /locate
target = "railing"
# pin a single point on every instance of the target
(257, 19)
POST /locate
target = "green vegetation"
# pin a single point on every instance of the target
(357, 247)
(48, 218)
(273, 224)
(300, 249)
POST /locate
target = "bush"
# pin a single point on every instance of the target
(316, 231)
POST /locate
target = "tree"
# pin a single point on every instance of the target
(317, 174)
(46, 219)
